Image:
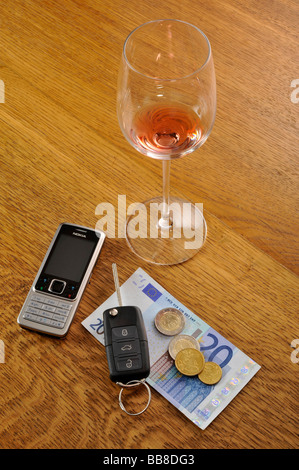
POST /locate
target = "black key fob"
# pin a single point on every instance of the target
(126, 344)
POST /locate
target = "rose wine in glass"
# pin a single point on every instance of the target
(168, 128)
(166, 106)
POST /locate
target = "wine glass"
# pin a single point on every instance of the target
(166, 106)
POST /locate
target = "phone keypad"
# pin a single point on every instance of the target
(47, 311)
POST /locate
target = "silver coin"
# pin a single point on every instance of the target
(170, 321)
(180, 342)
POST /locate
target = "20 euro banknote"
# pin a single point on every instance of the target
(201, 403)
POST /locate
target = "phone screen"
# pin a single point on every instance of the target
(69, 257)
(68, 261)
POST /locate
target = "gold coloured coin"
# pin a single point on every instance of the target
(170, 321)
(180, 342)
(190, 361)
(211, 373)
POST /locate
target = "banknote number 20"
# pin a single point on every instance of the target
(98, 327)
(217, 349)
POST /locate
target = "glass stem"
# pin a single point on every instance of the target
(165, 221)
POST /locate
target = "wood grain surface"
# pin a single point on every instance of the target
(62, 153)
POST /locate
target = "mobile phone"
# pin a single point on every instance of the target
(56, 292)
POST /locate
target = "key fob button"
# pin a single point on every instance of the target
(128, 363)
(124, 332)
(126, 348)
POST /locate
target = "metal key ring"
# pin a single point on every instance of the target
(133, 383)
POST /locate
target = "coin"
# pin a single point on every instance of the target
(189, 361)
(170, 321)
(180, 342)
(211, 373)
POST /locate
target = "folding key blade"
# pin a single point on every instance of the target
(116, 283)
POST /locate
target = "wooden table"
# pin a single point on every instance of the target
(62, 153)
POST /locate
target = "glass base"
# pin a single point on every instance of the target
(169, 240)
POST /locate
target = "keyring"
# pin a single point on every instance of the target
(134, 383)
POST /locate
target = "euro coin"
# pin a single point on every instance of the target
(170, 321)
(211, 373)
(180, 342)
(190, 361)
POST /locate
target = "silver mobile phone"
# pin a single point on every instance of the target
(60, 282)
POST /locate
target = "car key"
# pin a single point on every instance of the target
(125, 341)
